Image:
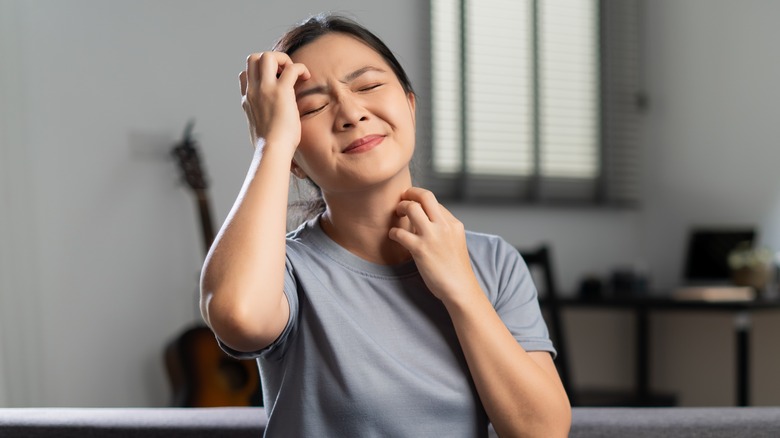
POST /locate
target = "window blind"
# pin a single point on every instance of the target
(534, 100)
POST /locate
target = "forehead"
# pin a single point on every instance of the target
(337, 52)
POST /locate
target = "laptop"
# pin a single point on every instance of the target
(706, 274)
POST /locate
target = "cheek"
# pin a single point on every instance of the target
(311, 150)
(403, 118)
(402, 112)
(310, 133)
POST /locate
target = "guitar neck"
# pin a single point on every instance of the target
(206, 224)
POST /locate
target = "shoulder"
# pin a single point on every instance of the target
(490, 247)
(500, 266)
(497, 263)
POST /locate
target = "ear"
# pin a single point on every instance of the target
(412, 99)
(296, 170)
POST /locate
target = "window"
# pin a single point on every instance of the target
(535, 100)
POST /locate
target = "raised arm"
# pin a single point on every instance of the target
(242, 297)
(521, 391)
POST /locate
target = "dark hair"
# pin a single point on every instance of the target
(311, 204)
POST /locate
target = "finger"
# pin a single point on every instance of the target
(418, 194)
(265, 65)
(426, 199)
(292, 73)
(253, 69)
(242, 81)
(405, 238)
(414, 211)
(272, 64)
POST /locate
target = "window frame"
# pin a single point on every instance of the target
(621, 103)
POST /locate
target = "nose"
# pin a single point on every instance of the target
(350, 112)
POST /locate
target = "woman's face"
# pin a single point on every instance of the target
(357, 122)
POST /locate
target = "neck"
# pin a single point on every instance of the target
(360, 222)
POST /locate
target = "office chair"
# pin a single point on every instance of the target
(539, 261)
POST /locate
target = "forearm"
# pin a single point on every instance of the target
(243, 275)
(520, 396)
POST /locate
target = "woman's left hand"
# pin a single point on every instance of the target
(437, 242)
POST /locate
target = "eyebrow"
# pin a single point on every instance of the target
(322, 89)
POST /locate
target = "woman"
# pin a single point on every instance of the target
(381, 316)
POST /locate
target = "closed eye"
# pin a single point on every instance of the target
(312, 111)
(369, 87)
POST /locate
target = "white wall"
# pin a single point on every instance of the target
(19, 312)
(101, 247)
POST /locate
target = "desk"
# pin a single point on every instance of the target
(642, 306)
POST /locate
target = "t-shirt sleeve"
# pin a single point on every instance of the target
(516, 301)
(277, 347)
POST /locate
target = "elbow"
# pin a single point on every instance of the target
(562, 424)
(551, 421)
(207, 295)
(557, 422)
(241, 323)
(223, 308)
(554, 417)
(555, 427)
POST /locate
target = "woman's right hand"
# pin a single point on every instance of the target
(268, 98)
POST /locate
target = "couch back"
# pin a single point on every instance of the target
(242, 422)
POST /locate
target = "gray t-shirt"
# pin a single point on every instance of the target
(370, 352)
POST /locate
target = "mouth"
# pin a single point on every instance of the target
(364, 144)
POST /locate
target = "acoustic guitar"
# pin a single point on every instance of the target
(200, 373)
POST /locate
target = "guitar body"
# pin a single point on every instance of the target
(201, 374)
